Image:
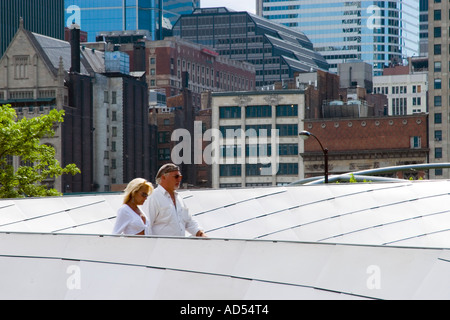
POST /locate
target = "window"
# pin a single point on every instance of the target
(288, 149)
(259, 130)
(437, 49)
(259, 111)
(287, 130)
(437, 101)
(21, 95)
(437, 66)
(21, 67)
(230, 132)
(230, 112)
(288, 169)
(230, 170)
(230, 151)
(255, 169)
(437, 84)
(258, 150)
(438, 135)
(287, 110)
(438, 118)
(164, 137)
(416, 143)
(164, 154)
(437, 15)
(437, 32)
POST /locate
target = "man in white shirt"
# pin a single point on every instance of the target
(165, 208)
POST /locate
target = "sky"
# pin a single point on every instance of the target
(237, 5)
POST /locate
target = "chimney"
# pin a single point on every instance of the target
(75, 45)
(139, 56)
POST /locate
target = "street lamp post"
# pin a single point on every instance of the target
(305, 135)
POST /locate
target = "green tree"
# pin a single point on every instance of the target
(22, 138)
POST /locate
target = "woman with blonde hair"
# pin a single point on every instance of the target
(130, 219)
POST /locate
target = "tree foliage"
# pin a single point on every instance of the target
(22, 138)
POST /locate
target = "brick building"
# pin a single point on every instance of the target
(367, 143)
(166, 61)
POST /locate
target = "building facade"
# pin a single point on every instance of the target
(41, 16)
(406, 90)
(105, 132)
(438, 64)
(174, 64)
(258, 143)
(277, 52)
(357, 144)
(378, 32)
(20, 68)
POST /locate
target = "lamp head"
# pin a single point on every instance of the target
(305, 135)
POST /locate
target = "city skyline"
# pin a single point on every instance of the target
(377, 32)
(274, 51)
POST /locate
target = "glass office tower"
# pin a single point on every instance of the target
(96, 16)
(377, 32)
(173, 9)
(276, 52)
(41, 16)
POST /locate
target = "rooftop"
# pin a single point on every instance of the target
(302, 242)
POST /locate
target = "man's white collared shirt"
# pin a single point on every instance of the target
(166, 219)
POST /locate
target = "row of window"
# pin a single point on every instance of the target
(397, 89)
(290, 110)
(235, 170)
(205, 75)
(262, 150)
(438, 99)
(164, 154)
(259, 130)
